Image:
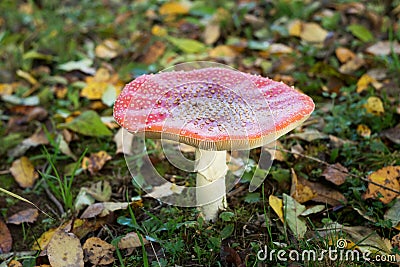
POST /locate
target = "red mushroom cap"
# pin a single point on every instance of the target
(211, 108)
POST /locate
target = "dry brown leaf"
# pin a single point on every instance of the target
(131, 240)
(335, 173)
(352, 65)
(103, 209)
(337, 142)
(64, 249)
(384, 48)
(28, 215)
(304, 190)
(24, 172)
(309, 135)
(363, 131)
(388, 177)
(299, 191)
(211, 32)
(98, 252)
(5, 238)
(393, 134)
(109, 48)
(155, 51)
(374, 106)
(95, 162)
(38, 138)
(344, 54)
(313, 33)
(173, 8)
(277, 48)
(274, 149)
(222, 51)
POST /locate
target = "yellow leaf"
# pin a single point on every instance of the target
(363, 130)
(295, 28)
(313, 33)
(42, 242)
(24, 172)
(277, 205)
(110, 48)
(374, 106)
(301, 192)
(222, 51)
(94, 90)
(363, 82)
(389, 178)
(173, 8)
(27, 76)
(157, 30)
(102, 75)
(64, 249)
(6, 89)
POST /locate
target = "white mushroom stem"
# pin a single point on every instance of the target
(211, 169)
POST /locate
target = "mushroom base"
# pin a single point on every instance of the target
(210, 182)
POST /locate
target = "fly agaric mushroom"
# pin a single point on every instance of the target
(215, 110)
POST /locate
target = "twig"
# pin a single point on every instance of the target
(53, 198)
(334, 167)
(4, 172)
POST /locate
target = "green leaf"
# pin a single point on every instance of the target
(292, 210)
(252, 198)
(88, 123)
(227, 231)
(227, 216)
(187, 45)
(360, 32)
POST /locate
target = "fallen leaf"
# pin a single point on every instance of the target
(374, 106)
(313, 210)
(64, 249)
(393, 214)
(6, 89)
(83, 65)
(131, 240)
(173, 8)
(24, 101)
(277, 205)
(64, 147)
(313, 33)
(222, 51)
(159, 31)
(352, 65)
(24, 216)
(393, 134)
(15, 263)
(363, 131)
(83, 199)
(344, 54)
(383, 48)
(100, 191)
(303, 190)
(299, 191)
(360, 32)
(103, 209)
(88, 123)
(211, 32)
(335, 173)
(278, 49)
(388, 177)
(124, 141)
(24, 172)
(98, 252)
(95, 162)
(365, 81)
(42, 242)
(292, 210)
(309, 135)
(38, 138)
(274, 149)
(5, 238)
(294, 28)
(164, 190)
(188, 46)
(231, 257)
(155, 51)
(27, 76)
(108, 49)
(396, 241)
